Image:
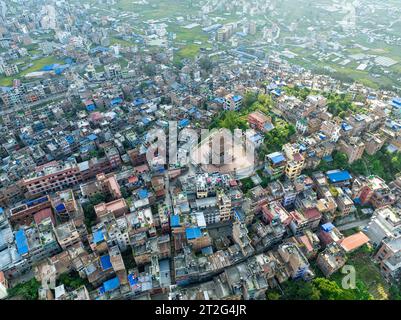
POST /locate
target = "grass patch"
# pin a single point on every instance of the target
(37, 65)
(366, 272)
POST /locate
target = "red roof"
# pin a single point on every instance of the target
(133, 179)
(305, 240)
(354, 241)
(312, 214)
(43, 214)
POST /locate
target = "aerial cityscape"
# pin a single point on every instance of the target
(200, 150)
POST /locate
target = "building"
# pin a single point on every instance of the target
(385, 223)
(24, 213)
(241, 237)
(331, 130)
(373, 143)
(53, 176)
(117, 208)
(352, 147)
(331, 259)
(295, 260)
(295, 161)
(259, 121)
(232, 102)
(374, 191)
(67, 235)
(224, 204)
(275, 165)
(37, 242)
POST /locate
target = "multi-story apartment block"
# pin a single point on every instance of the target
(352, 147)
(275, 164)
(53, 176)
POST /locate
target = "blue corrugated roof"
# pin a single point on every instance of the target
(276, 157)
(111, 284)
(21, 241)
(69, 139)
(1, 211)
(327, 227)
(338, 176)
(183, 123)
(132, 281)
(90, 107)
(35, 202)
(207, 250)
(237, 98)
(105, 262)
(193, 233)
(92, 137)
(218, 100)
(145, 120)
(143, 193)
(60, 207)
(175, 221)
(116, 101)
(139, 101)
(98, 236)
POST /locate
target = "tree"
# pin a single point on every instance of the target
(250, 98)
(247, 184)
(206, 64)
(71, 280)
(89, 211)
(28, 290)
(273, 295)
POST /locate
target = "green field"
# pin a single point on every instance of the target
(37, 65)
(366, 272)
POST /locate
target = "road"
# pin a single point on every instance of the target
(360, 223)
(23, 107)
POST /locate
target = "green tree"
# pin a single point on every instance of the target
(28, 290)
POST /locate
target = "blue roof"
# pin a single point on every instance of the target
(145, 120)
(193, 233)
(143, 193)
(276, 157)
(327, 227)
(69, 139)
(239, 215)
(175, 220)
(21, 241)
(90, 107)
(132, 281)
(115, 101)
(183, 123)
(1, 210)
(139, 101)
(268, 126)
(328, 158)
(35, 202)
(218, 100)
(111, 284)
(237, 98)
(105, 262)
(98, 236)
(207, 250)
(164, 265)
(338, 175)
(49, 67)
(99, 49)
(60, 207)
(396, 101)
(92, 137)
